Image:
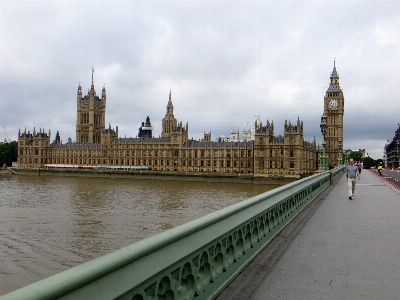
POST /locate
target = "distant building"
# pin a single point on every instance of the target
(388, 141)
(260, 152)
(362, 151)
(392, 150)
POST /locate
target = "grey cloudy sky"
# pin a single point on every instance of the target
(225, 62)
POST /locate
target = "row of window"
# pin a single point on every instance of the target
(85, 119)
(275, 153)
(175, 153)
(185, 163)
(138, 153)
(156, 153)
(85, 138)
(273, 164)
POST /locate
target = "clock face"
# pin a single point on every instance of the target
(333, 103)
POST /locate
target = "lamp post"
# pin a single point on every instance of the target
(340, 159)
(324, 158)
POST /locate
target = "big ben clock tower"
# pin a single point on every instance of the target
(334, 111)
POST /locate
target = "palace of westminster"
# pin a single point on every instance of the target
(260, 152)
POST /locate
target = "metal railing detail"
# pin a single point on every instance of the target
(337, 172)
(196, 260)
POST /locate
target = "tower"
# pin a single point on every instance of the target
(334, 111)
(170, 126)
(91, 115)
(263, 137)
(169, 122)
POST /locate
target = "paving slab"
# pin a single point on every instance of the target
(340, 249)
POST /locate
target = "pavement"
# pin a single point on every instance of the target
(335, 249)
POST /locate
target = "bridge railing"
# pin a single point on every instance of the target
(196, 260)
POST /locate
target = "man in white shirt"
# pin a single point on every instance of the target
(352, 175)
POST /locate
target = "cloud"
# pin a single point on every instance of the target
(223, 63)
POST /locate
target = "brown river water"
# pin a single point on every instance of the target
(50, 224)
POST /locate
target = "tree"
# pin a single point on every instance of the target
(356, 155)
(368, 162)
(8, 153)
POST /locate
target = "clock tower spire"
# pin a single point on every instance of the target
(334, 110)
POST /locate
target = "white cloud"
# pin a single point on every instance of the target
(386, 33)
(224, 64)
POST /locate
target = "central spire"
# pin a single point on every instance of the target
(334, 72)
(170, 107)
(92, 75)
(334, 84)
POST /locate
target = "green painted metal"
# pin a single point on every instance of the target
(324, 159)
(337, 172)
(196, 260)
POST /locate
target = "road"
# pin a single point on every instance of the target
(391, 176)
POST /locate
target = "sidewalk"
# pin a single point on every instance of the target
(344, 249)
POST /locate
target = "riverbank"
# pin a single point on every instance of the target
(6, 171)
(157, 175)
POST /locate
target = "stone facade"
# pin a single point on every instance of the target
(264, 155)
(392, 150)
(91, 115)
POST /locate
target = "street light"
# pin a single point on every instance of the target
(323, 158)
(340, 160)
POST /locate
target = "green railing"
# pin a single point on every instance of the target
(196, 260)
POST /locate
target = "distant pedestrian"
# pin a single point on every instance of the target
(380, 167)
(359, 166)
(352, 175)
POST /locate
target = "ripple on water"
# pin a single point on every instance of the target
(48, 225)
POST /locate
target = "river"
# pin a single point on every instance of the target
(50, 224)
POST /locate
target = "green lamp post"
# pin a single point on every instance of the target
(324, 158)
(340, 159)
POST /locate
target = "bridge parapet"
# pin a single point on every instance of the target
(196, 260)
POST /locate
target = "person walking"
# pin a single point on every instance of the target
(359, 166)
(352, 175)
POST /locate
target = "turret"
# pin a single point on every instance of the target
(146, 130)
(79, 94)
(207, 137)
(294, 129)
(57, 139)
(103, 93)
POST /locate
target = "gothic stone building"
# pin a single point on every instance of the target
(265, 155)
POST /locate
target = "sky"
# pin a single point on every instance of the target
(223, 61)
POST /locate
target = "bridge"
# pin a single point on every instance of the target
(336, 249)
(303, 240)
